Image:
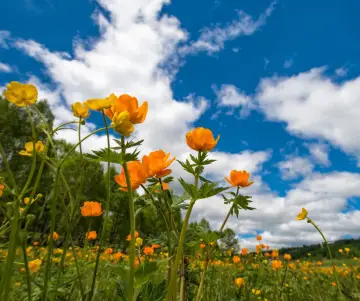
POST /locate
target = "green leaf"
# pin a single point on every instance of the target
(209, 189)
(102, 156)
(128, 144)
(189, 188)
(144, 272)
(187, 166)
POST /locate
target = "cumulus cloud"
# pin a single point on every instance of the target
(320, 153)
(314, 106)
(231, 96)
(295, 167)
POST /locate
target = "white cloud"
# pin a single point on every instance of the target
(314, 106)
(325, 196)
(212, 39)
(230, 96)
(5, 68)
(295, 167)
(288, 63)
(4, 36)
(236, 49)
(320, 153)
(341, 72)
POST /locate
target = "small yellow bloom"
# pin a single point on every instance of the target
(80, 110)
(347, 250)
(256, 292)
(98, 104)
(341, 250)
(287, 257)
(302, 215)
(29, 146)
(21, 94)
(55, 236)
(121, 123)
(27, 200)
(35, 265)
(138, 242)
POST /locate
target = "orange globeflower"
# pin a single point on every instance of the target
(34, 265)
(91, 209)
(276, 264)
(239, 178)
(157, 163)
(240, 282)
(201, 139)
(156, 246)
(138, 175)
(108, 251)
(287, 257)
(128, 238)
(202, 246)
(130, 104)
(91, 235)
(274, 253)
(259, 237)
(236, 259)
(148, 251)
(244, 251)
(55, 236)
(1, 189)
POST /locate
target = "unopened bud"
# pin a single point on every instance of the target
(82, 122)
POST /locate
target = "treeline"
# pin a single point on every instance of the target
(319, 251)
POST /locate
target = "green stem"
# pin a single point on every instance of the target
(28, 279)
(107, 207)
(130, 292)
(330, 256)
(202, 281)
(8, 270)
(172, 285)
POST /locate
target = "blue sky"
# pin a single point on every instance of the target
(245, 69)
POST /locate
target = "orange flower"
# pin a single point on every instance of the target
(240, 282)
(91, 235)
(91, 209)
(244, 251)
(274, 253)
(35, 243)
(1, 189)
(98, 104)
(202, 246)
(138, 175)
(287, 257)
(108, 251)
(259, 237)
(267, 247)
(34, 265)
(165, 186)
(258, 248)
(55, 236)
(201, 139)
(130, 104)
(156, 246)
(128, 238)
(236, 259)
(118, 255)
(276, 264)
(239, 178)
(149, 251)
(292, 266)
(157, 163)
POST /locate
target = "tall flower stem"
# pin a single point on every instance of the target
(330, 256)
(107, 208)
(15, 225)
(130, 291)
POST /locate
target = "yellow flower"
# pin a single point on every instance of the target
(55, 236)
(302, 215)
(240, 282)
(121, 123)
(98, 104)
(27, 200)
(29, 146)
(80, 110)
(34, 265)
(341, 251)
(347, 250)
(21, 94)
(138, 242)
(256, 292)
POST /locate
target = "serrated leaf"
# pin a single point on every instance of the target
(103, 155)
(128, 144)
(189, 188)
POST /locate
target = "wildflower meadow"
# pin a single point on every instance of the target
(70, 231)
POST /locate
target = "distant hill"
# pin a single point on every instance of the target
(319, 251)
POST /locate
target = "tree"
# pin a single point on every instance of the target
(229, 240)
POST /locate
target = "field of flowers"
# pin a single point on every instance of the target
(171, 266)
